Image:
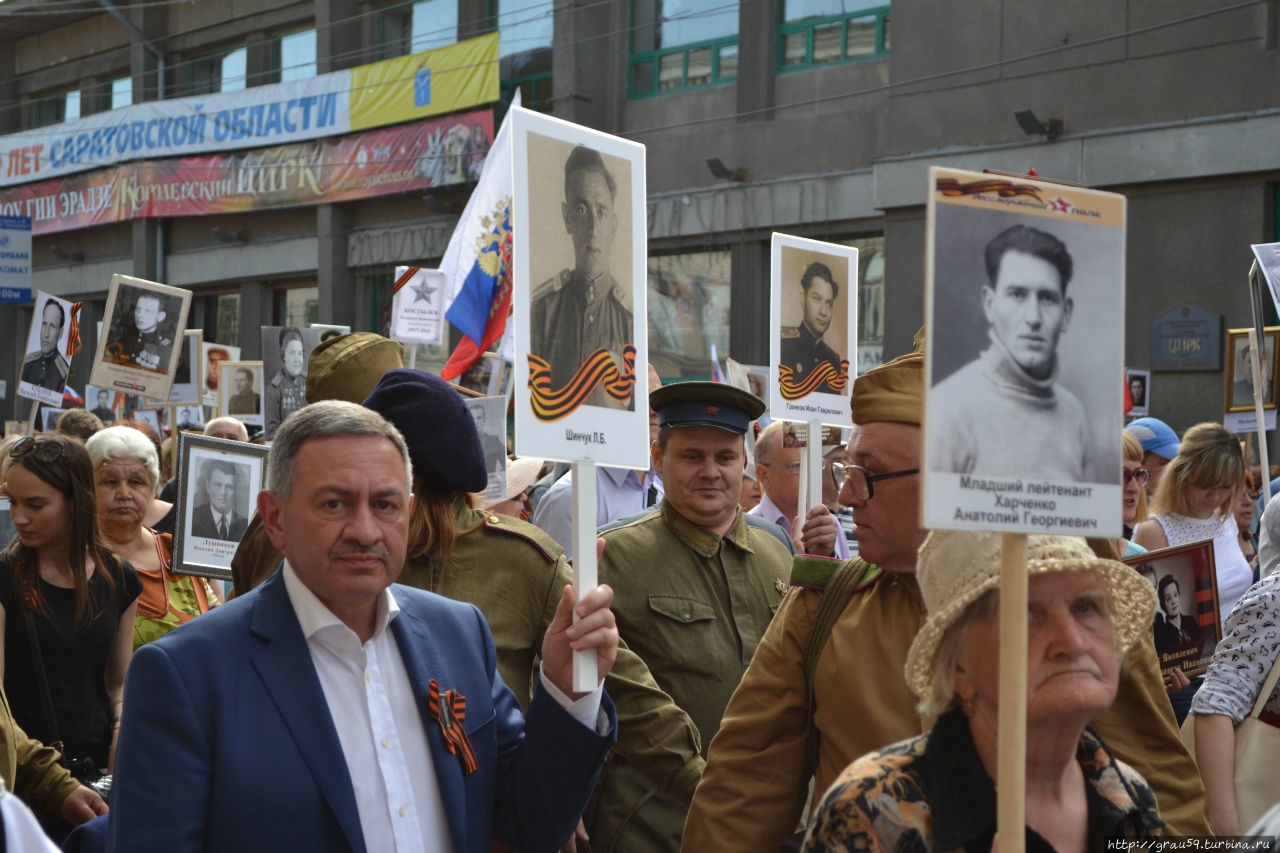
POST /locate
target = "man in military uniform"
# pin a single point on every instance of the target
(802, 346)
(145, 346)
(695, 586)
(780, 731)
(581, 310)
(46, 367)
(287, 391)
(245, 400)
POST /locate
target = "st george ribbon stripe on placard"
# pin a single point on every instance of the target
(552, 405)
(824, 374)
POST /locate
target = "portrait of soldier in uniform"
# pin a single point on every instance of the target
(582, 309)
(245, 400)
(142, 340)
(287, 390)
(103, 408)
(1242, 384)
(46, 366)
(803, 348)
(1011, 391)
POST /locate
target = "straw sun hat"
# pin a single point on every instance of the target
(955, 569)
(520, 475)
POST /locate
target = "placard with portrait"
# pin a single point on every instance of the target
(218, 485)
(240, 391)
(1187, 624)
(46, 364)
(141, 338)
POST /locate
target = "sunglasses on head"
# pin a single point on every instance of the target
(40, 449)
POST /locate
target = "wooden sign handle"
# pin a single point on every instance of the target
(585, 576)
(1011, 775)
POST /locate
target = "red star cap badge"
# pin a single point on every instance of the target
(713, 410)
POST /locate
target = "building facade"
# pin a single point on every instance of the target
(813, 117)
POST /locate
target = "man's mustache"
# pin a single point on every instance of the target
(359, 551)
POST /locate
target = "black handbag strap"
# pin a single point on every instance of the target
(46, 698)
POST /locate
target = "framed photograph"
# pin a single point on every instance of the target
(1268, 255)
(490, 414)
(189, 418)
(1139, 391)
(218, 485)
(213, 354)
(1022, 416)
(49, 418)
(240, 391)
(1239, 384)
(417, 305)
(103, 402)
(1187, 624)
(15, 428)
(813, 290)
(142, 328)
(581, 343)
(285, 351)
(186, 378)
(45, 366)
(150, 417)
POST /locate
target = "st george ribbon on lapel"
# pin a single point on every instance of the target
(450, 716)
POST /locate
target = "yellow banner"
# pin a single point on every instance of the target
(425, 84)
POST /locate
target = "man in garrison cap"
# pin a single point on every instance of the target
(46, 366)
(580, 310)
(781, 729)
(695, 585)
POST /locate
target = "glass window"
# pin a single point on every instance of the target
(226, 326)
(870, 300)
(659, 24)
(297, 56)
(72, 109)
(816, 32)
(524, 25)
(220, 72)
(297, 306)
(52, 109)
(121, 92)
(688, 311)
(434, 24)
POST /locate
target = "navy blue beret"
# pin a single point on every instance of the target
(715, 404)
(444, 446)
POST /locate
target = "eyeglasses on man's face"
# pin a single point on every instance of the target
(862, 482)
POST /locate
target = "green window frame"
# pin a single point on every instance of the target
(535, 91)
(815, 36)
(662, 72)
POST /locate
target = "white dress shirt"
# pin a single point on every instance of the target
(769, 511)
(380, 727)
(619, 493)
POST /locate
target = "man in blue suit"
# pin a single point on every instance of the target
(330, 710)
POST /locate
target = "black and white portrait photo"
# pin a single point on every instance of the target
(49, 418)
(241, 391)
(142, 331)
(218, 485)
(186, 389)
(813, 328)
(1025, 345)
(45, 365)
(101, 401)
(1240, 369)
(1186, 625)
(578, 302)
(579, 306)
(490, 414)
(285, 350)
(1139, 382)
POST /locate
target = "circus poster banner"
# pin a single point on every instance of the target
(406, 158)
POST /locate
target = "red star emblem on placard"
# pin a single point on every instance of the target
(1060, 204)
(713, 410)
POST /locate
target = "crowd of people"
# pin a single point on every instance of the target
(390, 668)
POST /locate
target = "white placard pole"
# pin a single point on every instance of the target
(412, 361)
(31, 417)
(812, 496)
(1011, 761)
(1256, 364)
(586, 675)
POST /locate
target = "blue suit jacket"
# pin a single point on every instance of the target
(226, 742)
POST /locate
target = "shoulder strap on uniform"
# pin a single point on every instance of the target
(843, 583)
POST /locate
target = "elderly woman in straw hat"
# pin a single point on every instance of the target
(935, 791)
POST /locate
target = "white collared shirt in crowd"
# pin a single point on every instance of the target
(620, 492)
(769, 511)
(380, 727)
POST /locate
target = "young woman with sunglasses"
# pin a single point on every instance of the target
(59, 584)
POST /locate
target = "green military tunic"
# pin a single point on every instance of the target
(694, 606)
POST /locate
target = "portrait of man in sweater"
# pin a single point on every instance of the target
(1011, 390)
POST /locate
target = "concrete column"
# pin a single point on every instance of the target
(757, 40)
(903, 279)
(146, 234)
(142, 62)
(334, 277)
(10, 116)
(339, 35)
(258, 60)
(82, 363)
(749, 303)
(255, 312)
(589, 63)
(15, 322)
